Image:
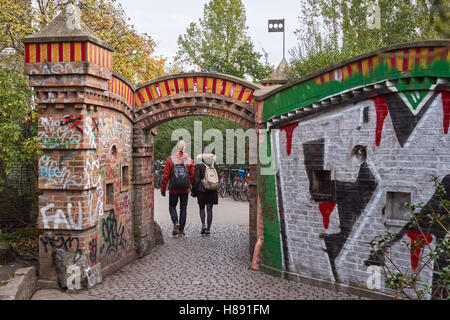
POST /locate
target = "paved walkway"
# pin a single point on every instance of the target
(202, 268)
(198, 267)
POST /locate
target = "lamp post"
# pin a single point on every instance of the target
(278, 25)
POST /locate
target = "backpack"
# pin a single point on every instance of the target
(180, 177)
(211, 179)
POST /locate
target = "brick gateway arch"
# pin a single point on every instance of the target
(95, 131)
(311, 216)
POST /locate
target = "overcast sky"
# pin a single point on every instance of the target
(164, 21)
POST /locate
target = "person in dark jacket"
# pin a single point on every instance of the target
(179, 157)
(206, 198)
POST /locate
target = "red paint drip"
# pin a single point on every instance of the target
(326, 208)
(446, 108)
(382, 112)
(418, 241)
(289, 129)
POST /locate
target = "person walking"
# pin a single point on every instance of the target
(206, 181)
(178, 176)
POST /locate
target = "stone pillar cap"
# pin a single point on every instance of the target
(280, 75)
(66, 27)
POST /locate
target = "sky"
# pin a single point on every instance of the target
(164, 21)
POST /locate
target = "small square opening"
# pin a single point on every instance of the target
(321, 185)
(110, 194)
(395, 205)
(125, 177)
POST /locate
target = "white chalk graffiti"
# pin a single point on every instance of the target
(57, 176)
(59, 218)
(115, 130)
(61, 177)
(57, 68)
(90, 130)
(91, 166)
(55, 135)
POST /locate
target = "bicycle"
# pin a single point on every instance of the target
(238, 183)
(244, 188)
(225, 182)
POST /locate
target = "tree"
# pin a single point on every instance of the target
(334, 30)
(134, 52)
(219, 42)
(18, 136)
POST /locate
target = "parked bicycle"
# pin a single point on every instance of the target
(226, 182)
(240, 186)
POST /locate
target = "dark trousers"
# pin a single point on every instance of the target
(173, 201)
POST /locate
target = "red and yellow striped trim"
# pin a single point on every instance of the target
(99, 55)
(68, 52)
(401, 60)
(56, 52)
(191, 85)
(122, 89)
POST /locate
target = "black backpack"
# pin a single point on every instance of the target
(180, 177)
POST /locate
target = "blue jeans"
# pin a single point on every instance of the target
(173, 201)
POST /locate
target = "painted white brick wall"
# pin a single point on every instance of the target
(426, 154)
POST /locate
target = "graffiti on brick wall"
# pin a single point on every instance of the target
(350, 198)
(431, 232)
(113, 234)
(66, 243)
(54, 174)
(91, 130)
(406, 109)
(60, 219)
(57, 134)
(93, 251)
(115, 130)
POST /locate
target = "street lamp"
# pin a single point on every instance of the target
(278, 25)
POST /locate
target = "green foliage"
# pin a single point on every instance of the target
(20, 235)
(219, 42)
(18, 139)
(134, 52)
(164, 143)
(334, 30)
(408, 283)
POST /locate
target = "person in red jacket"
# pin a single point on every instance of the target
(178, 176)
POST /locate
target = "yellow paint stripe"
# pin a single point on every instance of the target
(327, 77)
(144, 94)
(154, 93)
(355, 68)
(172, 86)
(54, 52)
(399, 60)
(228, 88)
(66, 52)
(437, 53)
(365, 67)
(163, 89)
(138, 102)
(78, 51)
(411, 58)
(423, 58)
(376, 62)
(218, 86)
(237, 91)
(32, 53)
(191, 85)
(43, 52)
(180, 84)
